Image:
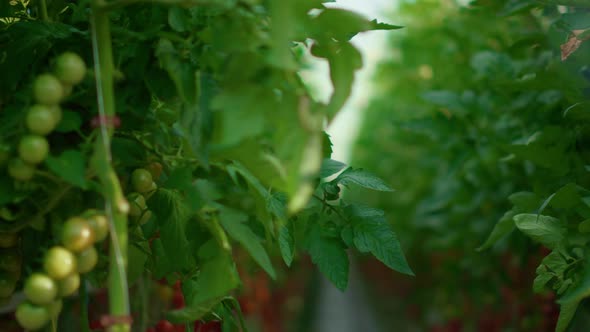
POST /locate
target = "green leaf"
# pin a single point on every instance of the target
(331, 167)
(547, 230)
(70, 166)
(502, 228)
(581, 290)
(231, 220)
(286, 245)
(524, 201)
(216, 278)
(329, 255)
(172, 216)
(70, 121)
(375, 235)
(541, 281)
(362, 178)
(340, 24)
(566, 313)
(555, 262)
(566, 197)
(375, 25)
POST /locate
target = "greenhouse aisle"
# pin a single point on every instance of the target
(350, 311)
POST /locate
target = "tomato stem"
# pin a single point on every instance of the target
(43, 10)
(116, 207)
(84, 304)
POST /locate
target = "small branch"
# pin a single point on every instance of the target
(331, 207)
(43, 9)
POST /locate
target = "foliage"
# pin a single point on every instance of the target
(215, 143)
(480, 117)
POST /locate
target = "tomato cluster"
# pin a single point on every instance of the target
(44, 116)
(62, 266)
(144, 186)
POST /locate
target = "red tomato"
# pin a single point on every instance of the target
(213, 326)
(180, 328)
(164, 326)
(178, 300)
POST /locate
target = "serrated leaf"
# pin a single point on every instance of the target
(547, 230)
(70, 166)
(541, 281)
(331, 167)
(362, 178)
(286, 245)
(172, 215)
(329, 255)
(502, 228)
(375, 235)
(566, 313)
(231, 220)
(216, 278)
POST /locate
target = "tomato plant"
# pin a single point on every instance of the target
(477, 123)
(179, 131)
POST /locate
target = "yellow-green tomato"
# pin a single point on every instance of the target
(59, 263)
(40, 289)
(31, 317)
(70, 68)
(47, 90)
(33, 149)
(69, 285)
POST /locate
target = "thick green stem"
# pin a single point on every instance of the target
(43, 10)
(115, 204)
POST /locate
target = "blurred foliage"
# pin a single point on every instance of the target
(476, 119)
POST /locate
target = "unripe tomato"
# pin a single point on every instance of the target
(57, 114)
(40, 289)
(165, 293)
(33, 149)
(54, 308)
(141, 180)
(70, 68)
(31, 317)
(69, 285)
(155, 169)
(41, 119)
(145, 217)
(7, 285)
(136, 204)
(47, 90)
(59, 263)
(77, 235)
(100, 226)
(87, 259)
(152, 191)
(164, 326)
(8, 240)
(19, 170)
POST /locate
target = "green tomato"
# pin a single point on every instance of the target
(40, 289)
(33, 149)
(141, 180)
(8, 240)
(86, 260)
(59, 263)
(69, 285)
(136, 204)
(41, 120)
(20, 170)
(54, 308)
(10, 260)
(77, 234)
(31, 317)
(47, 90)
(100, 226)
(7, 285)
(70, 68)
(145, 217)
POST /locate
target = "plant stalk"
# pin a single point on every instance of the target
(116, 206)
